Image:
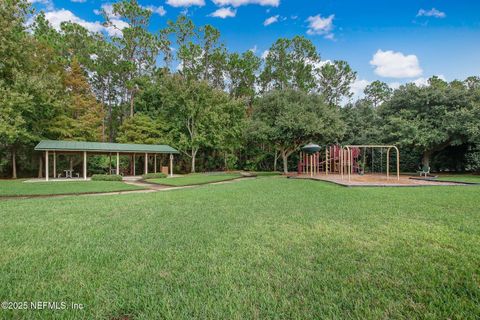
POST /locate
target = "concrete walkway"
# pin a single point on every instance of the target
(147, 185)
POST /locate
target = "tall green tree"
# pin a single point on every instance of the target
(335, 79)
(200, 53)
(242, 76)
(81, 120)
(106, 80)
(292, 118)
(377, 92)
(13, 129)
(196, 115)
(13, 58)
(138, 47)
(290, 63)
(30, 81)
(431, 118)
(142, 129)
(363, 122)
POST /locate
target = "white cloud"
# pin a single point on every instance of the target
(320, 26)
(394, 85)
(423, 82)
(56, 17)
(420, 82)
(108, 9)
(330, 36)
(357, 88)
(317, 65)
(224, 13)
(265, 54)
(254, 49)
(160, 10)
(431, 13)
(47, 3)
(116, 28)
(395, 64)
(186, 3)
(238, 3)
(271, 20)
(79, 1)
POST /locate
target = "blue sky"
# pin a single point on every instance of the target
(392, 41)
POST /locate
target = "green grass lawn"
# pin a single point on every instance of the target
(258, 248)
(195, 178)
(21, 188)
(461, 178)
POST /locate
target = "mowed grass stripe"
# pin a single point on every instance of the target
(461, 178)
(10, 188)
(262, 248)
(195, 179)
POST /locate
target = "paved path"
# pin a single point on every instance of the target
(148, 185)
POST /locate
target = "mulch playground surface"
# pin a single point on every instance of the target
(377, 180)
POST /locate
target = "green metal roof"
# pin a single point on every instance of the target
(53, 145)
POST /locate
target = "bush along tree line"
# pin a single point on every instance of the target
(223, 110)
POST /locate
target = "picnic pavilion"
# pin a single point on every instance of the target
(54, 148)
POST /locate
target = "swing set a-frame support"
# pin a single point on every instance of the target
(346, 158)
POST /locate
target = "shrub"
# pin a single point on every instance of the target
(473, 161)
(265, 173)
(106, 177)
(154, 175)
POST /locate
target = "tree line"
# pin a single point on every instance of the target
(179, 85)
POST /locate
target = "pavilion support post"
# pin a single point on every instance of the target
(133, 163)
(110, 163)
(84, 165)
(171, 165)
(54, 165)
(155, 163)
(118, 164)
(46, 165)
(146, 163)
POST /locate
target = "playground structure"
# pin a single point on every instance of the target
(344, 160)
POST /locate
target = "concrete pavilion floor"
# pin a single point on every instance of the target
(56, 179)
(374, 180)
(125, 179)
